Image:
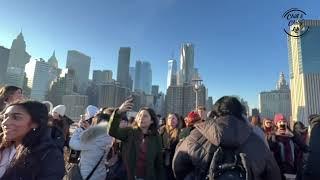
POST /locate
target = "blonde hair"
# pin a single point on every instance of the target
(172, 132)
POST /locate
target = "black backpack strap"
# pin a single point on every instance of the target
(245, 162)
(91, 173)
(202, 171)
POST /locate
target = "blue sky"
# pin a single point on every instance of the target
(240, 46)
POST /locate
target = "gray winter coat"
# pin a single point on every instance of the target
(93, 143)
(193, 156)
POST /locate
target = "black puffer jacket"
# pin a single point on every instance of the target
(194, 154)
(311, 170)
(43, 162)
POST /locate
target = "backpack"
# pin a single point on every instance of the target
(227, 164)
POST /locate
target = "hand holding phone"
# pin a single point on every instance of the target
(84, 124)
(126, 106)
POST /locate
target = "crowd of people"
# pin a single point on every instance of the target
(220, 143)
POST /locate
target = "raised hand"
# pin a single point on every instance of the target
(84, 124)
(126, 106)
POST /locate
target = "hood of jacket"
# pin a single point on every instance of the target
(95, 131)
(227, 131)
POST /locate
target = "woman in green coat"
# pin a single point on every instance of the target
(141, 144)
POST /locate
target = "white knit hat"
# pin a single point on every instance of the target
(91, 111)
(60, 109)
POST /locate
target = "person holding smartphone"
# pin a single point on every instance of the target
(93, 141)
(141, 143)
(285, 147)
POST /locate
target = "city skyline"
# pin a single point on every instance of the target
(55, 64)
(213, 40)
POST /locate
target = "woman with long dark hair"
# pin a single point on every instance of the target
(26, 149)
(9, 94)
(141, 143)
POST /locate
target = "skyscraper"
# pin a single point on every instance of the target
(282, 83)
(180, 78)
(132, 74)
(123, 66)
(159, 105)
(102, 77)
(304, 64)
(146, 77)
(107, 95)
(111, 94)
(182, 99)
(18, 58)
(54, 70)
(186, 63)
(174, 100)
(75, 105)
(80, 63)
(155, 93)
(63, 85)
(26, 89)
(172, 73)
(137, 78)
(155, 90)
(276, 101)
(53, 60)
(143, 77)
(4, 58)
(37, 73)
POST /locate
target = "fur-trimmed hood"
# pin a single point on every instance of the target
(95, 131)
(93, 143)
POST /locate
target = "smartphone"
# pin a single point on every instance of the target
(130, 97)
(89, 121)
(133, 102)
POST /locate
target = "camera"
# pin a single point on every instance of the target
(282, 126)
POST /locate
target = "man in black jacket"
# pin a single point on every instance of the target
(229, 129)
(311, 170)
